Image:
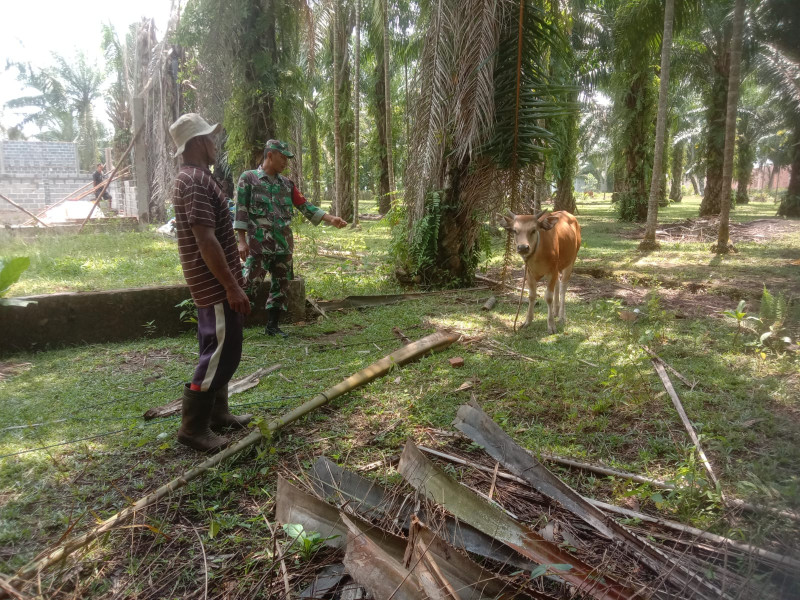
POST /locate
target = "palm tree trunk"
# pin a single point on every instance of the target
(656, 182)
(337, 121)
(356, 112)
(540, 189)
(744, 163)
(384, 199)
(388, 83)
(299, 152)
(790, 204)
(565, 192)
(405, 91)
(675, 192)
(313, 142)
(730, 126)
(695, 185)
(715, 138)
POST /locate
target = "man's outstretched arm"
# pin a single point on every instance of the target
(312, 213)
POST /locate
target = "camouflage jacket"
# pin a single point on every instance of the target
(265, 206)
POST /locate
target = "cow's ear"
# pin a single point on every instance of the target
(548, 222)
(506, 222)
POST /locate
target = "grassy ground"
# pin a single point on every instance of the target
(591, 394)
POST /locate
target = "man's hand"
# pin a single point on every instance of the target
(244, 249)
(238, 300)
(337, 222)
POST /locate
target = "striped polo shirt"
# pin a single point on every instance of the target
(198, 200)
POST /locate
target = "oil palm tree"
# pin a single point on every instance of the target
(47, 107)
(482, 93)
(778, 67)
(637, 29)
(649, 241)
(722, 246)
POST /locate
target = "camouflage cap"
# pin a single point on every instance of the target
(279, 146)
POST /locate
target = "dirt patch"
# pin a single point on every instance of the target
(152, 360)
(12, 369)
(707, 229)
(687, 300)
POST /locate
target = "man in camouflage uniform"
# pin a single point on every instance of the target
(265, 203)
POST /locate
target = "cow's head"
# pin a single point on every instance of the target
(526, 229)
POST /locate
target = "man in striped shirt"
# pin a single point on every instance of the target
(210, 262)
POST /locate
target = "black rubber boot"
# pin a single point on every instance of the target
(272, 325)
(221, 417)
(196, 411)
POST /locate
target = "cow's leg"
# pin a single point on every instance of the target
(549, 296)
(556, 297)
(566, 275)
(532, 283)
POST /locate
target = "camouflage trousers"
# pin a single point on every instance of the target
(279, 267)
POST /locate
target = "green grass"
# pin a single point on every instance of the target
(590, 393)
(97, 260)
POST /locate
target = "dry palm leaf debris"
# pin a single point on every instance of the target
(439, 537)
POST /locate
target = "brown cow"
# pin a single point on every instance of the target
(548, 242)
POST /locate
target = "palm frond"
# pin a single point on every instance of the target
(474, 101)
(525, 92)
(434, 82)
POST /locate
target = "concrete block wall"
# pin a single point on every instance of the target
(35, 158)
(39, 174)
(37, 193)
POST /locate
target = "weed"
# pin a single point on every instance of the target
(740, 314)
(188, 311)
(306, 543)
(608, 407)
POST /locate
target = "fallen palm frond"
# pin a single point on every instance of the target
(295, 506)
(381, 574)
(435, 341)
(476, 425)
(724, 544)
(656, 357)
(369, 499)
(491, 520)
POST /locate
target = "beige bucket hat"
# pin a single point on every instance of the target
(188, 126)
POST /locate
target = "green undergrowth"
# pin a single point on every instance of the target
(589, 392)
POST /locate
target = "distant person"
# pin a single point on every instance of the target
(265, 203)
(210, 261)
(98, 178)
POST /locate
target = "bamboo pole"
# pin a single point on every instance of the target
(30, 214)
(435, 341)
(110, 177)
